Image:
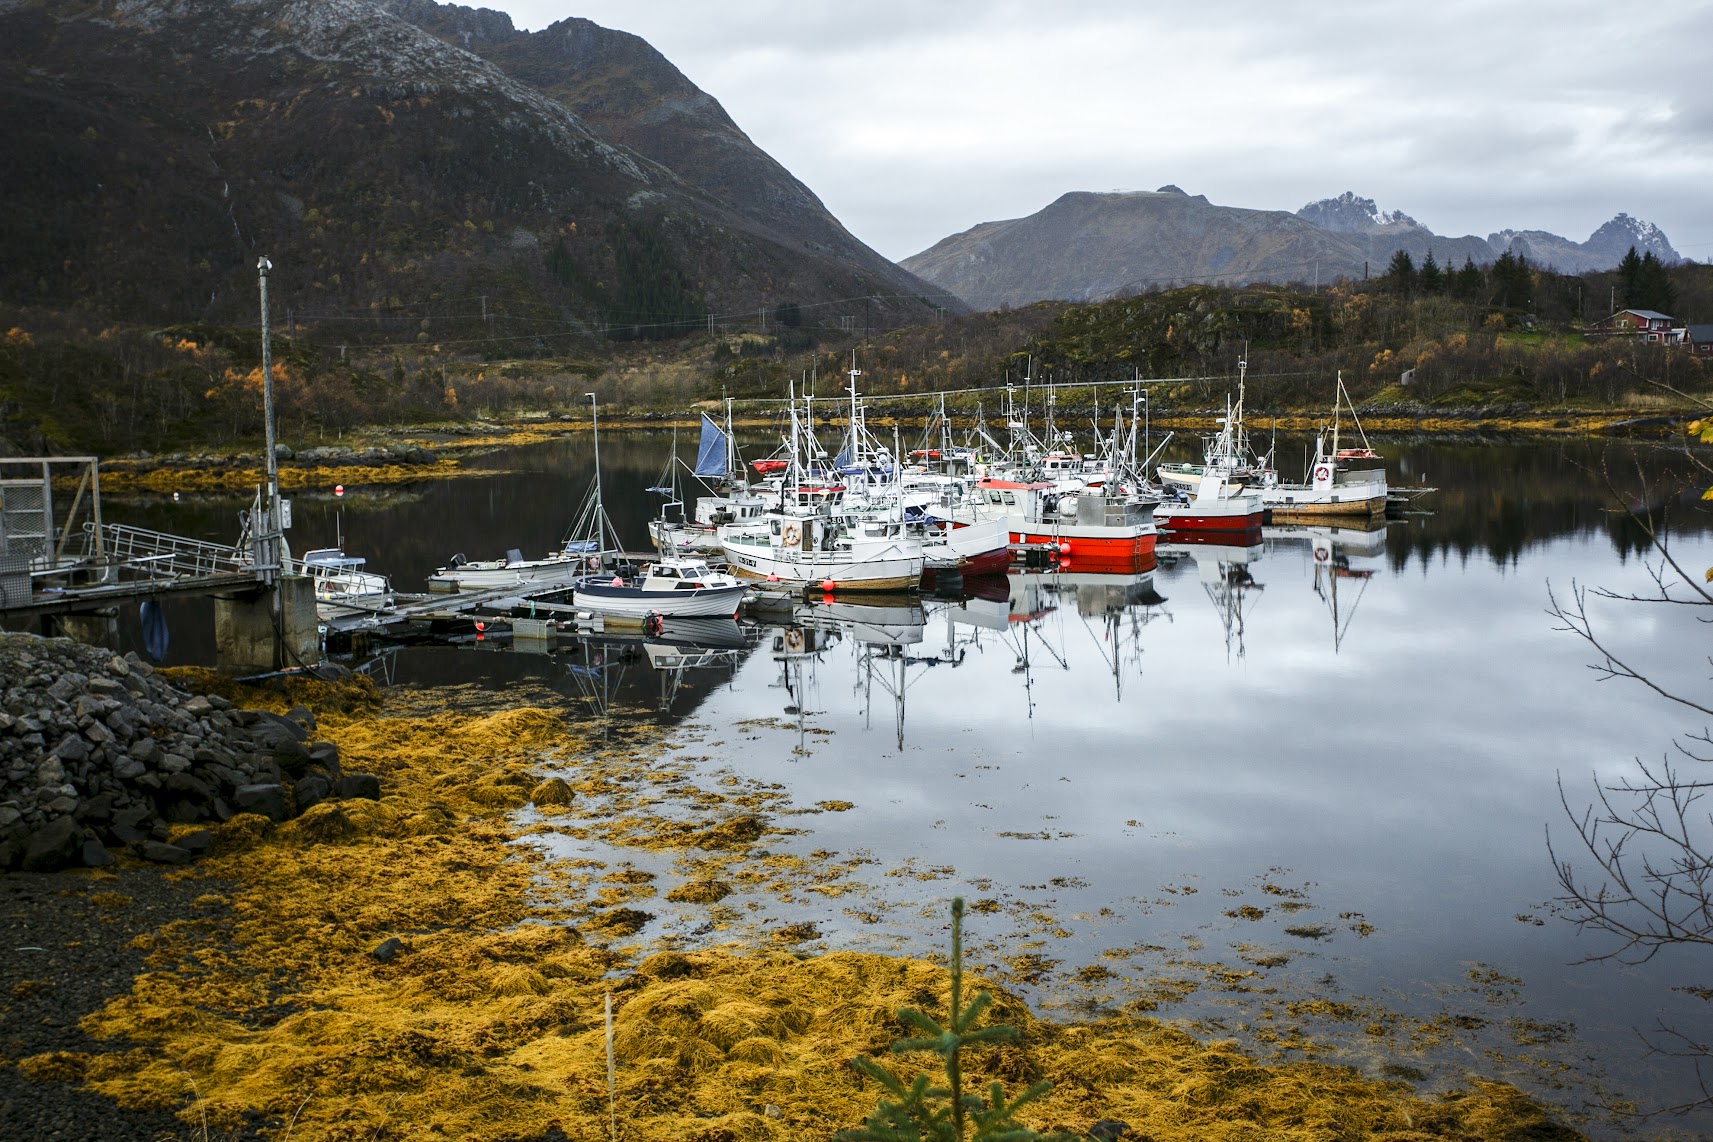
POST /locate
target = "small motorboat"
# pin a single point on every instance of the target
(672, 587)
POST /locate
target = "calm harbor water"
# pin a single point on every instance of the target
(1331, 760)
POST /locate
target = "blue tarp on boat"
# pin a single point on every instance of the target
(713, 453)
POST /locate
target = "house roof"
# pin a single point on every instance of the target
(1649, 314)
(1700, 334)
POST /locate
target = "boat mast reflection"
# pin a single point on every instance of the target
(1223, 568)
(1331, 548)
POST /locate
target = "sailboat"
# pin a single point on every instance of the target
(716, 460)
(673, 585)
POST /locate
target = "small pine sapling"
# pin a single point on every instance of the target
(921, 1112)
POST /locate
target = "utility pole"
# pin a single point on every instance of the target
(268, 538)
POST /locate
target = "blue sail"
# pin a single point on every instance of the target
(711, 453)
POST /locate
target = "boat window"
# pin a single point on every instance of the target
(666, 572)
(1009, 498)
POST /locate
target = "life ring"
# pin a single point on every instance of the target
(1322, 473)
(1321, 555)
(791, 535)
(793, 640)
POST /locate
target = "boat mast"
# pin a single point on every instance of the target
(731, 453)
(1336, 391)
(796, 463)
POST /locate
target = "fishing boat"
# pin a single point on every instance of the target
(799, 549)
(342, 587)
(1341, 481)
(1213, 506)
(806, 544)
(1106, 530)
(1227, 453)
(671, 587)
(576, 558)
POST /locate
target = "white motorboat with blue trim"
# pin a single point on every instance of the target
(671, 587)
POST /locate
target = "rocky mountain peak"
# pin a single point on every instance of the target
(1623, 231)
(1351, 214)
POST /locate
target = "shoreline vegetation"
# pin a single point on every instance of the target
(428, 965)
(1414, 355)
(390, 456)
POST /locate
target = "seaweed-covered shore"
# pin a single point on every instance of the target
(416, 966)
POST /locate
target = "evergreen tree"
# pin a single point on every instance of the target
(1512, 280)
(1653, 288)
(1467, 283)
(1400, 275)
(923, 1113)
(1629, 273)
(1431, 277)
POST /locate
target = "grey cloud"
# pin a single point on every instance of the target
(916, 121)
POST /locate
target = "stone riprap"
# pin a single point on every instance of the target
(98, 752)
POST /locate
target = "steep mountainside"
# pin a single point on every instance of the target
(1088, 247)
(156, 147)
(1085, 247)
(633, 96)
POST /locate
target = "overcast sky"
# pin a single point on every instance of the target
(915, 119)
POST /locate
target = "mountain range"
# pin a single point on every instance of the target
(421, 172)
(1087, 246)
(410, 168)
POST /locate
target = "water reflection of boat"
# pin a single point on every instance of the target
(1359, 537)
(889, 620)
(1224, 573)
(598, 663)
(1331, 549)
(1123, 604)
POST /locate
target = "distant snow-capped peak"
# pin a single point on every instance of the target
(1351, 214)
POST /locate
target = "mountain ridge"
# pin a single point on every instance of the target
(1089, 246)
(160, 146)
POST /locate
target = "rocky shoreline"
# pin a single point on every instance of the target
(98, 753)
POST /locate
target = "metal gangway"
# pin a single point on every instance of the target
(160, 555)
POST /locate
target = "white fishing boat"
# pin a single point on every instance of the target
(1348, 482)
(805, 545)
(812, 550)
(513, 570)
(672, 587)
(716, 460)
(1227, 454)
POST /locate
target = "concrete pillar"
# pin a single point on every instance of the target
(246, 640)
(97, 628)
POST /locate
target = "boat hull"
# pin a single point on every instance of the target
(595, 593)
(1192, 518)
(899, 573)
(481, 576)
(1313, 506)
(1097, 550)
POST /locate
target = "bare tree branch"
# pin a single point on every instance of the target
(1574, 619)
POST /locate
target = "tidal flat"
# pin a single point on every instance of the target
(271, 1002)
